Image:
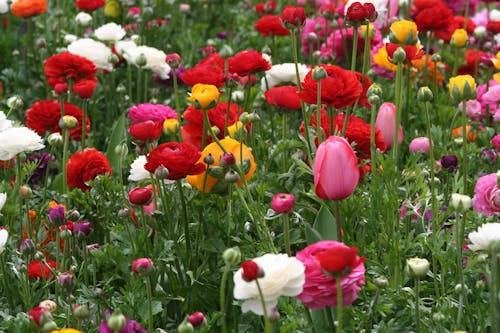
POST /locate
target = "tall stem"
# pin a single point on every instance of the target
(318, 114)
(339, 304)
(354, 54)
(150, 304)
(399, 90)
(494, 291)
(464, 146)
(84, 123)
(176, 91)
(222, 298)
(184, 219)
(64, 160)
(286, 233)
(267, 323)
(417, 303)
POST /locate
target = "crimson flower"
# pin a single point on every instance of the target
(41, 269)
(65, 66)
(248, 62)
(265, 7)
(209, 70)
(270, 25)
(148, 130)
(89, 5)
(285, 97)
(339, 261)
(293, 16)
(413, 52)
(85, 166)
(251, 271)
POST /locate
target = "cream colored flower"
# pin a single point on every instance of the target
(283, 276)
(485, 235)
(4, 122)
(137, 171)
(155, 59)
(4, 237)
(83, 19)
(110, 32)
(94, 51)
(417, 267)
(3, 199)
(283, 73)
(17, 140)
(460, 201)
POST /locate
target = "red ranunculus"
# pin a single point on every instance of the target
(41, 269)
(365, 83)
(248, 62)
(181, 160)
(356, 12)
(89, 5)
(44, 116)
(85, 166)
(413, 52)
(340, 261)
(470, 26)
(285, 97)
(84, 88)
(294, 16)
(470, 62)
(36, 314)
(493, 27)
(340, 88)
(270, 25)
(146, 130)
(251, 270)
(436, 18)
(209, 70)
(64, 66)
(192, 131)
(265, 7)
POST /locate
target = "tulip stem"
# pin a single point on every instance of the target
(339, 304)
(267, 324)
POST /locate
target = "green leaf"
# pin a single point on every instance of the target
(143, 309)
(312, 236)
(325, 224)
(117, 136)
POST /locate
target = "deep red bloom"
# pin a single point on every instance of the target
(41, 269)
(339, 261)
(365, 83)
(357, 12)
(436, 18)
(89, 5)
(470, 26)
(413, 52)
(140, 196)
(209, 70)
(181, 160)
(84, 88)
(44, 116)
(61, 67)
(294, 16)
(283, 97)
(146, 130)
(192, 131)
(493, 27)
(470, 62)
(270, 25)
(265, 7)
(328, 11)
(37, 313)
(251, 270)
(340, 88)
(85, 166)
(248, 62)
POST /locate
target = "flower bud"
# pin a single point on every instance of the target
(449, 162)
(171, 126)
(15, 102)
(65, 280)
(26, 192)
(121, 150)
(83, 228)
(124, 212)
(49, 326)
(141, 60)
(121, 89)
(215, 130)
(174, 60)
(83, 19)
(399, 56)
(140, 196)
(81, 311)
(143, 266)
(459, 38)
(73, 215)
(117, 321)
(227, 159)
(49, 305)
(460, 202)
(57, 215)
(420, 144)
(319, 73)
(438, 317)
(436, 57)
(381, 282)
(232, 176)
(197, 319)
(417, 267)
(226, 51)
(254, 117)
(374, 89)
(161, 172)
(312, 37)
(480, 32)
(113, 59)
(27, 247)
(424, 94)
(185, 327)
(274, 315)
(209, 159)
(92, 247)
(251, 271)
(68, 122)
(374, 99)
(232, 256)
(282, 202)
(65, 233)
(55, 140)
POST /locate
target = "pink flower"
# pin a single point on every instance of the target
(473, 109)
(319, 289)
(148, 111)
(283, 202)
(420, 144)
(143, 266)
(336, 171)
(496, 141)
(386, 119)
(486, 198)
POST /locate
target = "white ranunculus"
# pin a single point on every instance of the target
(123, 45)
(4, 6)
(3, 199)
(283, 276)
(460, 202)
(70, 38)
(485, 235)
(4, 122)
(110, 32)
(83, 19)
(17, 140)
(418, 267)
(94, 51)
(155, 59)
(4, 236)
(495, 15)
(137, 171)
(283, 73)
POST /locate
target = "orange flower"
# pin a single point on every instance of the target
(231, 146)
(471, 133)
(419, 66)
(27, 8)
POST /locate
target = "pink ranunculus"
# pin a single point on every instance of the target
(473, 109)
(486, 198)
(336, 170)
(316, 25)
(420, 144)
(386, 119)
(495, 141)
(320, 290)
(148, 111)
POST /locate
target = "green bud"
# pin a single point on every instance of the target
(381, 282)
(374, 99)
(226, 51)
(161, 172)
(55, 139)
(185, 327)
(232, 256)
(232, 176)
(374, 89)
(68, 122)
(399, 55)
(209, 159)
(121, 150)
(81, 311)
(15, 102)
(438, 317)
(141, 60)
(417, 267)
(49, 326)
(319, 73)
(424, 94)
(117, 321)
(436, 57)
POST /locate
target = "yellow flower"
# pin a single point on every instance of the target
(204, 95)
(381, 58)
(112, 8)
(235, 128)
(171, 126)
(496, 61)
(231, 146)
(67, 330)
(462, 87)
(459, 38)
(371, 30)
(403, 32)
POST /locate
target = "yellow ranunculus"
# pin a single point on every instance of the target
(204, 95)
(381, 58)
(496, 61)
(371, 30)
(231, 146)
(171, 126)
(404, 32)
(459, 38)
(234, 128)
(112, 8)
(66, 330)
(462, 87)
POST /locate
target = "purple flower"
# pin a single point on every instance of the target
(42, 160)
(449, 162)
(153, 112)
(83, 228)
(57, 215)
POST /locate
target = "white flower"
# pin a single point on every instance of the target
(83, 19)
(283, 73)
(137, 171)
(110, 32)
(154, 57)
(460, 202)
(484, 236)
(69, 38)
(4, 236)
(4, 6)
(3, 199)
(94, 51)
(480, 32)
(417, 267)
(4, 122)
(495, 15)
(284, 276)
(17, 140)
(122, 46)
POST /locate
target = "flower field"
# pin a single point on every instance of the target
(242, 166)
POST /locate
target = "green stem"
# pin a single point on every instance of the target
(150, 305)
(84, 123)
(228, 110)
(267, 323)
(417, 303)
(398, 93)
(184, 219)
(366, 51)
(222, 298)
(286, 233)
(354, 48)
(339, 304)
(373, 147)
(64, 160)
(494, 291)
(338, 219)
(464, 146)
(318, 114)
(176, 91)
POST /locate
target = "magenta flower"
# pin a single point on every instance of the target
(386, 119)
(153, 112)
(282, 202)
(420, 144)
(486, 198)
(495, 141)
(319, 289)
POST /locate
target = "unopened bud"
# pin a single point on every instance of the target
(185, 327)
(232, 176)
(227, 159)
(226, 51)
(68, 122)
(424, 94)
(399, 55)
(436, 57)
(209, 159)
(113, 59)
(171, 126)
(121, 150)
(117, 321)
(15, 102)
(319, 73)
(73, 215)
(55, 139)
(141, 60)
(232, 256)
(161, 172)
(26, 192)
(81, 311)
(381, 282)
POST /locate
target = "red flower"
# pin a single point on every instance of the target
(283, 97)
(37, 313)
(38, 269)
(470, 62)
(44, 116)
(265, 7)
(181, 160)
(365, 83)
(436, 18)
(210, 70)
(413, 52)
(357, 12)
(84, 88)
(64, 66)
(251, 271)
(192, 130)
(470, 26)
(85, 166)
(293, 16)
(140, 196)
(493, 27)
(89, 5)
(271, 25)
(340, 88)
(248, 62)
(340, 261)
(146, 130)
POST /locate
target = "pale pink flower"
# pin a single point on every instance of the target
(486, 198)
(386, 119)
(420, 144)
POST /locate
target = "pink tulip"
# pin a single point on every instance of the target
(420, 144)
(336, 170)
(386, 119)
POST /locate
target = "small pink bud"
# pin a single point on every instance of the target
(197, 319)
(283, 202)
(227, 159)
(420, 144)
(173, 60)
(386, 119)
(143, 266)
